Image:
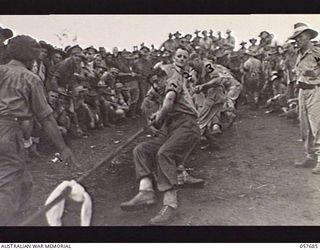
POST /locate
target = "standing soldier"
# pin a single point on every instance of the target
(168, 45)
(57, 56)
(176, 40)
(196, 40)
(308, 79)
(4, 35)
(142, 66)
(229, 41)
(64, 76)
(40, 66)
(243, 48)
(290, 58)
(205, 42)
(265, 39)
(252, 69)
(22, 97)
(253, 47)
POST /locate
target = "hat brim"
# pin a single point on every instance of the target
(313, 33)
(61, 52)
(7, 33)
(273, 78)
(47, 47)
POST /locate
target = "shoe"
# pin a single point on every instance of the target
(186, 180)
(164, 217)
(316, 170)
(307, 163)
(269, 111)
(142, 200)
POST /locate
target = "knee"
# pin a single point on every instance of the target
(162, 153)
(139, 149)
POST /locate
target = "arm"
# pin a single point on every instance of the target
(312, 73)
(213, 82)
(43, 113)
(168, 103)
(231, 43)
(167, 107)
(51, 128)
(151, 103)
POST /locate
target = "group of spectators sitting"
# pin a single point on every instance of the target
(91, 88)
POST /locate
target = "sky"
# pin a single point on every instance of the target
(125, 31)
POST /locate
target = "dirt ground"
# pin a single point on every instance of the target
(250, 179)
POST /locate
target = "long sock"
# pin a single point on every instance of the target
(170, 198)
(146, 184)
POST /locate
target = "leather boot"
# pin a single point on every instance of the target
(141, 200)
(187, 180)
(165, 216)
(316, 169)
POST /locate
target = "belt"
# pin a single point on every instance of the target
(9, 121)
(8, 118)
(304, 86)
(179, 116)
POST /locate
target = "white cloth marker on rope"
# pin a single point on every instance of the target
(78, 194)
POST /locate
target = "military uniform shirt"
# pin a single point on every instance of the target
(310, 60)
(64, 72)
(22, 93)
(183, 102)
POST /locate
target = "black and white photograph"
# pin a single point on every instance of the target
(159, 120)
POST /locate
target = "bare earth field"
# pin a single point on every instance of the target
(249, 174)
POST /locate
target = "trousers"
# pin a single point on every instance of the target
(309, 116)
(163, 154)
(15, 179)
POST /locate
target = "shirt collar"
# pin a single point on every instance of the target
(178, 69)
(306, 52)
